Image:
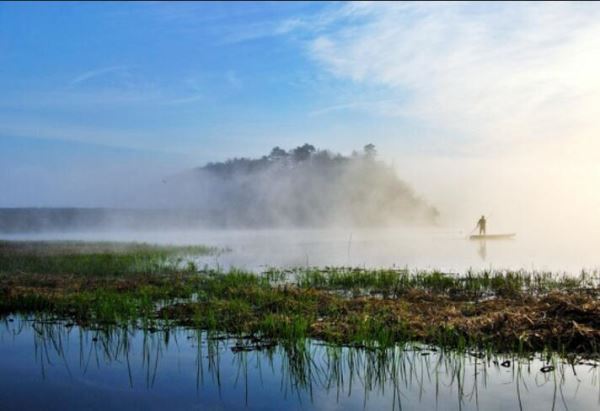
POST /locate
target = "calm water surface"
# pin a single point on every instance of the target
(48, 365)
(444, 249)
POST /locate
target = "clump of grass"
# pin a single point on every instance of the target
(96, 259)
(85, 247)
(396, 282)
(240, 303)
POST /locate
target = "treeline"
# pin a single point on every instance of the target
(318, 158)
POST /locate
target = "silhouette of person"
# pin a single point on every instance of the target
(481, 224)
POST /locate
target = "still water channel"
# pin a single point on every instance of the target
(53, 365)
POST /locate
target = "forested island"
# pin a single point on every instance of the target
(306, 186)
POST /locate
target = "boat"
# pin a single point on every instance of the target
(508, 236)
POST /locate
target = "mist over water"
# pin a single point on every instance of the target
(300, 187)
(309, 207)
(443, 249)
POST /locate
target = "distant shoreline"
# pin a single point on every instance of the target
(27, 220)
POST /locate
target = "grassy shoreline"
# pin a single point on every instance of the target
(499, 311)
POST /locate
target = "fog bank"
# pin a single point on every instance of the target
(302, 187)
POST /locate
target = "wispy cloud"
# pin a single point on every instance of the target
(503, 72)
(392, 107)
(141, 97)
(106, 136)
(193, 98)
(230, 24)
(98, 72)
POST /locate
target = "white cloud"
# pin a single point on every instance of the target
(494, 73)
(509, 93)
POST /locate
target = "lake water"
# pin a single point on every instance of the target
(47, 365)
(444, 249)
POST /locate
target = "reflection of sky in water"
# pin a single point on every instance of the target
(444, 249)
(59, 368)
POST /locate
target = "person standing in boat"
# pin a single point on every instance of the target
(481, 225)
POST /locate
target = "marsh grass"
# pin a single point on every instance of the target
(149, 287)
(395, 282)
(97, 258)
(518, 313)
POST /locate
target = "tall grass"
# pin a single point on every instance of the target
(96, 259)
(472, 285)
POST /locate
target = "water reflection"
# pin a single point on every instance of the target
(180, 369)
(482, 250)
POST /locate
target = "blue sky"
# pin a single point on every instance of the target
(90, 89)
(211, 80)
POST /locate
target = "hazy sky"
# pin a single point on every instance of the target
(473, 103)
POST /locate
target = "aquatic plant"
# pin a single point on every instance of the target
(502, 311)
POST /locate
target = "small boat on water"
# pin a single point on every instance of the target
(508, 236)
